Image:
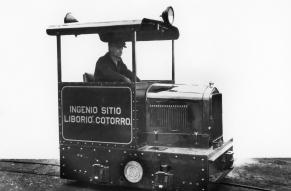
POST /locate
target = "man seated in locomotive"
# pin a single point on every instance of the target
(110, 67)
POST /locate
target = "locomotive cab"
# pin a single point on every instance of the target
(152, 134)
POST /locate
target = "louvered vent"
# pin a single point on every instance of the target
(168, 117)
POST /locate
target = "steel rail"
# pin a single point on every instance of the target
(33, 173)
(243, 186)
(28, 162)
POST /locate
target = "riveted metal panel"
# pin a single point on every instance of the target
(190, 172)
(97, 114)
(83, 142)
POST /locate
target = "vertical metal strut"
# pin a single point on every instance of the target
(173, 61)
(59, 57)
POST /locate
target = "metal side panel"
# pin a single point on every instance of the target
(105, 166)
(87, 128)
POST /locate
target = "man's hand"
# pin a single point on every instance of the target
(127, 80)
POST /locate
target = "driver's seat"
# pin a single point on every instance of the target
(87, 77)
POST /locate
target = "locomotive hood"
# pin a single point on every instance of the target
(180, 91)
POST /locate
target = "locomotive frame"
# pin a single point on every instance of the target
(174, 140)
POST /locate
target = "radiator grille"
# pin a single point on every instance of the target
(217, 115)
(168, 117)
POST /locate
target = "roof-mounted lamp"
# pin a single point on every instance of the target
(69, 18)
(168, 15)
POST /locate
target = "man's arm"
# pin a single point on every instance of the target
(128, 73)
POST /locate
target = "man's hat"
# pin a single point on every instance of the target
(117, 42)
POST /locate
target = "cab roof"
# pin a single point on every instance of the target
(146, 30)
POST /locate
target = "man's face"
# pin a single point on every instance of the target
(116, 51)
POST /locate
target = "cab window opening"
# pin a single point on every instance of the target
(80, 54)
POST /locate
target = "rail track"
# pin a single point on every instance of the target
(242, 186)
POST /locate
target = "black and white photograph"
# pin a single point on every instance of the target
(145, 95)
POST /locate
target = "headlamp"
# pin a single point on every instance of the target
(168, 15)
(133, 171)
(69, 18)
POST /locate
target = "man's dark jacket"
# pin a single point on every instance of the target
(107, 71)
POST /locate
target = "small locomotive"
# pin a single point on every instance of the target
(152, 134)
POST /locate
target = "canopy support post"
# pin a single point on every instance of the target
(173, 61)
(59, 57)
(134, 57)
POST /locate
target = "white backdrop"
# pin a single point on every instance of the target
(244, 47)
